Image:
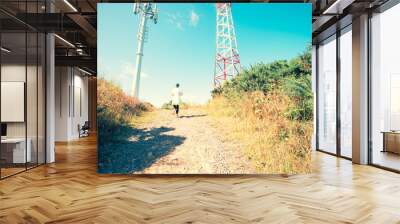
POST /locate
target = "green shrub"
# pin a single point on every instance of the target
(293, 77)
(300, 90)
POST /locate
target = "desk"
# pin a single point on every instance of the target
(391, 141)
(14, 150)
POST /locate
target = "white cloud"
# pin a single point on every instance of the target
(122, 76)
(194, 18)
(128, 71)
(179, 25)
(175, 19)
(180, 21)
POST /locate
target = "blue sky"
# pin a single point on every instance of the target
(181, 46)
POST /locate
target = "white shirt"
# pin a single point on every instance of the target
(176, 96)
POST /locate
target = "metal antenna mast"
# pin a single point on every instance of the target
(145, 11)
(227, 60)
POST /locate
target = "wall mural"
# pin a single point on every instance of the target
(204, 88)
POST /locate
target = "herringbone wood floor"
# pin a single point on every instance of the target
(70, 191)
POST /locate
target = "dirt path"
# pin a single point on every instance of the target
(200, 149)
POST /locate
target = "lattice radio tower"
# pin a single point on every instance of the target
(145, 11)
(227, 60)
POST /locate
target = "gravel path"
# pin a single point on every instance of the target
(200, 151)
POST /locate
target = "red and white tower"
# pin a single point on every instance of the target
(227, 61)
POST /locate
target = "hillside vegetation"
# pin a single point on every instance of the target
(115, 110)
(268, 108)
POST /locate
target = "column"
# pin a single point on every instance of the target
(360, 90)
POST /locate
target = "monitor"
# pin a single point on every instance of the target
(3, 129)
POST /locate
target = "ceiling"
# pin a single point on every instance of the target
(73, 21)
(328, 13)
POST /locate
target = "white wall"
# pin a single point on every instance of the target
(12, 73)
(62, 82)
(71, 87)
(80, 94)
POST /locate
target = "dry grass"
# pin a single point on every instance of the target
(268, 137)
(144, 118)
(122, 107)
(116, 111)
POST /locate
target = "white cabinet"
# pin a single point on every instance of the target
(19, 155)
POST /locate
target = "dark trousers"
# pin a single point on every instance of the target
(176, 107)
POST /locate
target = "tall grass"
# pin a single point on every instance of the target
(268, 108)
(115, 110)
(273, 141)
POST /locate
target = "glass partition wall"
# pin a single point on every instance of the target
(22, 78)
(327, 95)
(13, 90)
(385, 89)
(334, 95)
(345, 61)
(334, 105)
